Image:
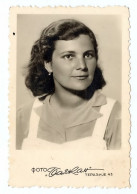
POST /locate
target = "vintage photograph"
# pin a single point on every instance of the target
(71, 94)
(66, 81)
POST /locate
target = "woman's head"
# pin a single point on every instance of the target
(38, 79)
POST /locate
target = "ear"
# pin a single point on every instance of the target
(48, 66)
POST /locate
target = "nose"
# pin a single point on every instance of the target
(81, 64)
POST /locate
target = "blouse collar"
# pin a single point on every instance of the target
(86, 114)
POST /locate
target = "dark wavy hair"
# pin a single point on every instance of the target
(37, 79)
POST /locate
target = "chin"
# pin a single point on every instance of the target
(80, 88)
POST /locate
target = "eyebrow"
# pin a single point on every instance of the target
(68, 52)
(73, 52)
(89, 51)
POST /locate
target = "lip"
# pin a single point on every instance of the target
(80, 77)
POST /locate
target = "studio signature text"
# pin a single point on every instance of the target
(52, 171)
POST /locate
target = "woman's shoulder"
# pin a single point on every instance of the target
(25, 108)
(22, 123)
(23, 120)
(116, 108)
(113, 131)
(100, 99)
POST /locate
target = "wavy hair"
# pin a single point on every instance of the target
(37, 79)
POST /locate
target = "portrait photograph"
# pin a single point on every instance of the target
(69, 94)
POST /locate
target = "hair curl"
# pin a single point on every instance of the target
(37, 79)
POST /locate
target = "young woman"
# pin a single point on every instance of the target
(69, 110)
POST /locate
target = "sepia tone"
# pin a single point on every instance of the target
(53, 167)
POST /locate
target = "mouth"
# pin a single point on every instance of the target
(80, 77)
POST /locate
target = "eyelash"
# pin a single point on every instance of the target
(71, 56)
(90, 55)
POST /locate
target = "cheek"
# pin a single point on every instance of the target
(92, 68)
(59, 69)
(62, 67)
(56, 66)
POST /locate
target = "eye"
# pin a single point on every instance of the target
(68, 57)
(89, 55)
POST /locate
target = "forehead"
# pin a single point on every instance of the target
(82, 42)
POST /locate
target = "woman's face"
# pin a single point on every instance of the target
(73, 63)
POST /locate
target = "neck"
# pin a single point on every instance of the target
(66, 98)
